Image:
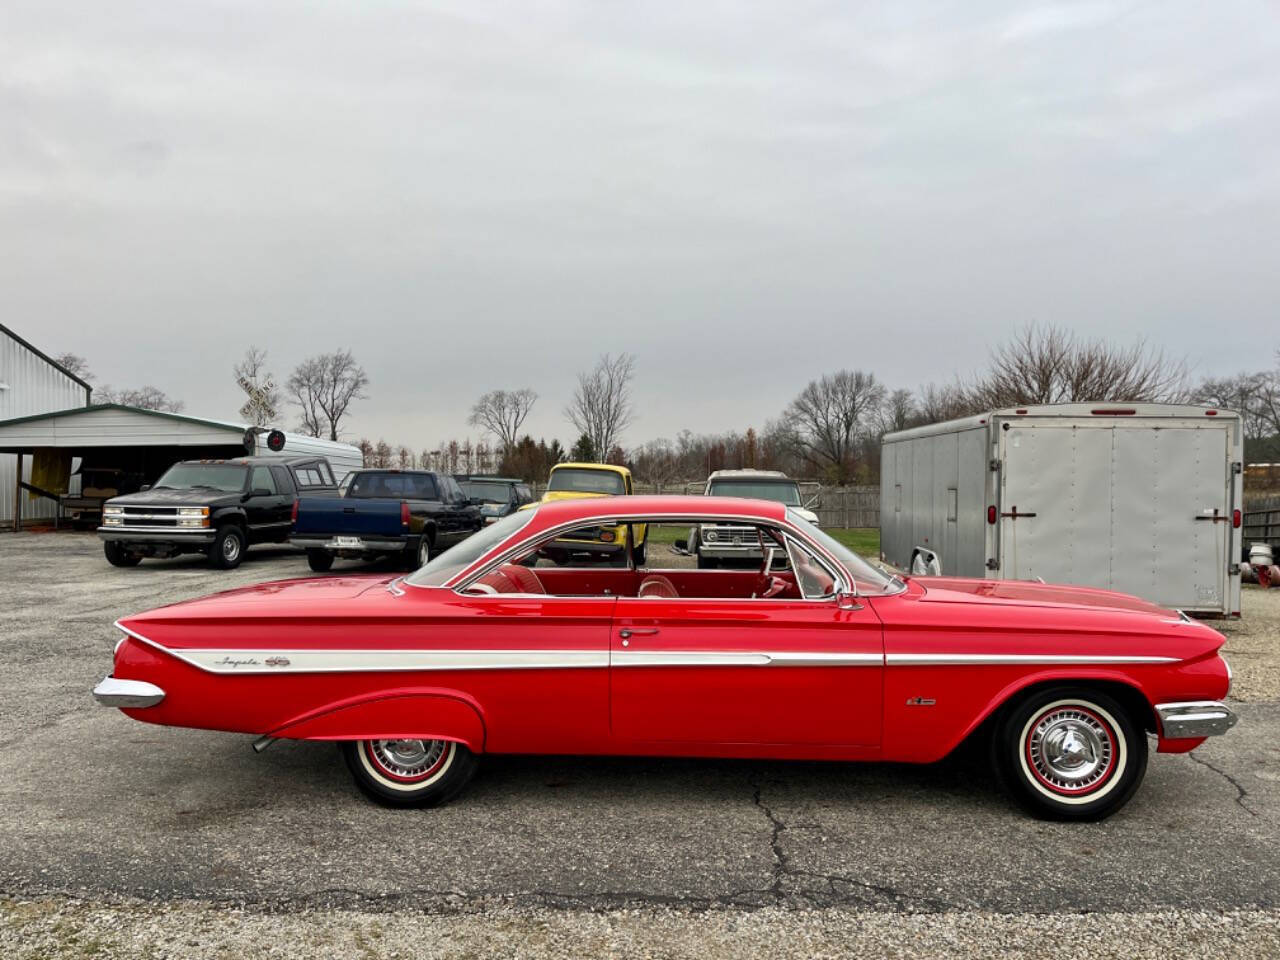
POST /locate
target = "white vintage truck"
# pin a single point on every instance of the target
(1143, 498)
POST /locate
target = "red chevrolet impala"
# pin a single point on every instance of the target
(509, 644)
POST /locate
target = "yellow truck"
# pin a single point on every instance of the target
(573, 481)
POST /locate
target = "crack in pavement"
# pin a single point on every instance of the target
(883, 894)
(1241, 792)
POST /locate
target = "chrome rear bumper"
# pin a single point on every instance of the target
(127, 693)
(1195, 718)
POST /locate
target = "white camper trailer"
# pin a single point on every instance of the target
(1143, 498)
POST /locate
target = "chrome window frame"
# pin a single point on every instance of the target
(843, 579)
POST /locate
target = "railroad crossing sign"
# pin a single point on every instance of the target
(258, 408)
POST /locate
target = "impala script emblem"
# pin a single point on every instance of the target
(233, 663)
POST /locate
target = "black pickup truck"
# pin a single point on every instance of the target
(410, 514)
(214, 507)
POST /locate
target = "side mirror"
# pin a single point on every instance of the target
(681, 547)
(847, 601)
(259, 492)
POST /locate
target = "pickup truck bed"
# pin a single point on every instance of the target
(329, 527)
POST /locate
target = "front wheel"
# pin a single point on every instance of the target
(1070, 753)
(410, 773)
(228, 547)
(118, 556)
(321, 561)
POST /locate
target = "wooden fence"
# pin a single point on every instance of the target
(835, 506)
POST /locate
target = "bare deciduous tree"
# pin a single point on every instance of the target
(324, 387)
(602, 407)
(501, 412)
(898, 412)
(75, 365)
(937, 403)
(1052, 365)
(830, 415)
(252, 375)
(145, 398)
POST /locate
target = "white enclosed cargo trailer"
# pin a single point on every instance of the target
(1142, 498)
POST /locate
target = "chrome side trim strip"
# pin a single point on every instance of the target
(986, 659)
(135, 694)
(387, 661)
(1195, 718)
(744, 658)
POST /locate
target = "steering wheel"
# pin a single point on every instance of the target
(770, 586)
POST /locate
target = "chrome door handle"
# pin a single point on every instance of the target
(628, 632)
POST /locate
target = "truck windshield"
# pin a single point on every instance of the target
(446, 566)
(487, 490)
(787, 493)
(575, 480)
(866, 578)
(227, 477)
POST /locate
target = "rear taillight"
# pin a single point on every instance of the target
(294, 516)
(991, 514)
(404, 514)
(1235, 519)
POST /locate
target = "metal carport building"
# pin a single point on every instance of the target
(137, 445)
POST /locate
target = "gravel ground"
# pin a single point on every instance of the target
(122, 840)
(68, 929)
(1253, 645)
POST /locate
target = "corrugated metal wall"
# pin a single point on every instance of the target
(31, 385)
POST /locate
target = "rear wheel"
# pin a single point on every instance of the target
(424, 550)
(228, 547)
(118, 556)
(1070, 753)
(410, 773)
(321, 561)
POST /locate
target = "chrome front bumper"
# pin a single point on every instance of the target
(1194, 718)
(127, 693)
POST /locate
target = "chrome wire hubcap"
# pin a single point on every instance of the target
(408, 758)
(1070, 749)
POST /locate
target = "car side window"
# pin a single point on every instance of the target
(423, 488)
(284, 483)
(262, 480)
(523, 494)
(812, 575)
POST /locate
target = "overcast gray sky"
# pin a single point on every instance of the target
(745, 195)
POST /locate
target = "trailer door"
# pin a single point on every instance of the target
(1172, 515)
(1129, 506)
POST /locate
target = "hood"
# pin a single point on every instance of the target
(962, 590)
(174, 497)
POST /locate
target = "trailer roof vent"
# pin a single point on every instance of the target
(1114, 412)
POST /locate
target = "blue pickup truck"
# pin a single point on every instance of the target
(409, 514)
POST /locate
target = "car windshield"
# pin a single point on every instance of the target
(227, 477)
(487, 490)
(780, 492)
(581, 480)
(446, 566)
(867, 579)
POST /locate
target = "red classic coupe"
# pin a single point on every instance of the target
(815, 654)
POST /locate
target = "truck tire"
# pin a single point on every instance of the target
(118, 556)
(639, 552)
(321, 561)
(228, 547)
(422, 553)
(707, 563)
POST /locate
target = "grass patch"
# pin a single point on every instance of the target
(861, 540)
